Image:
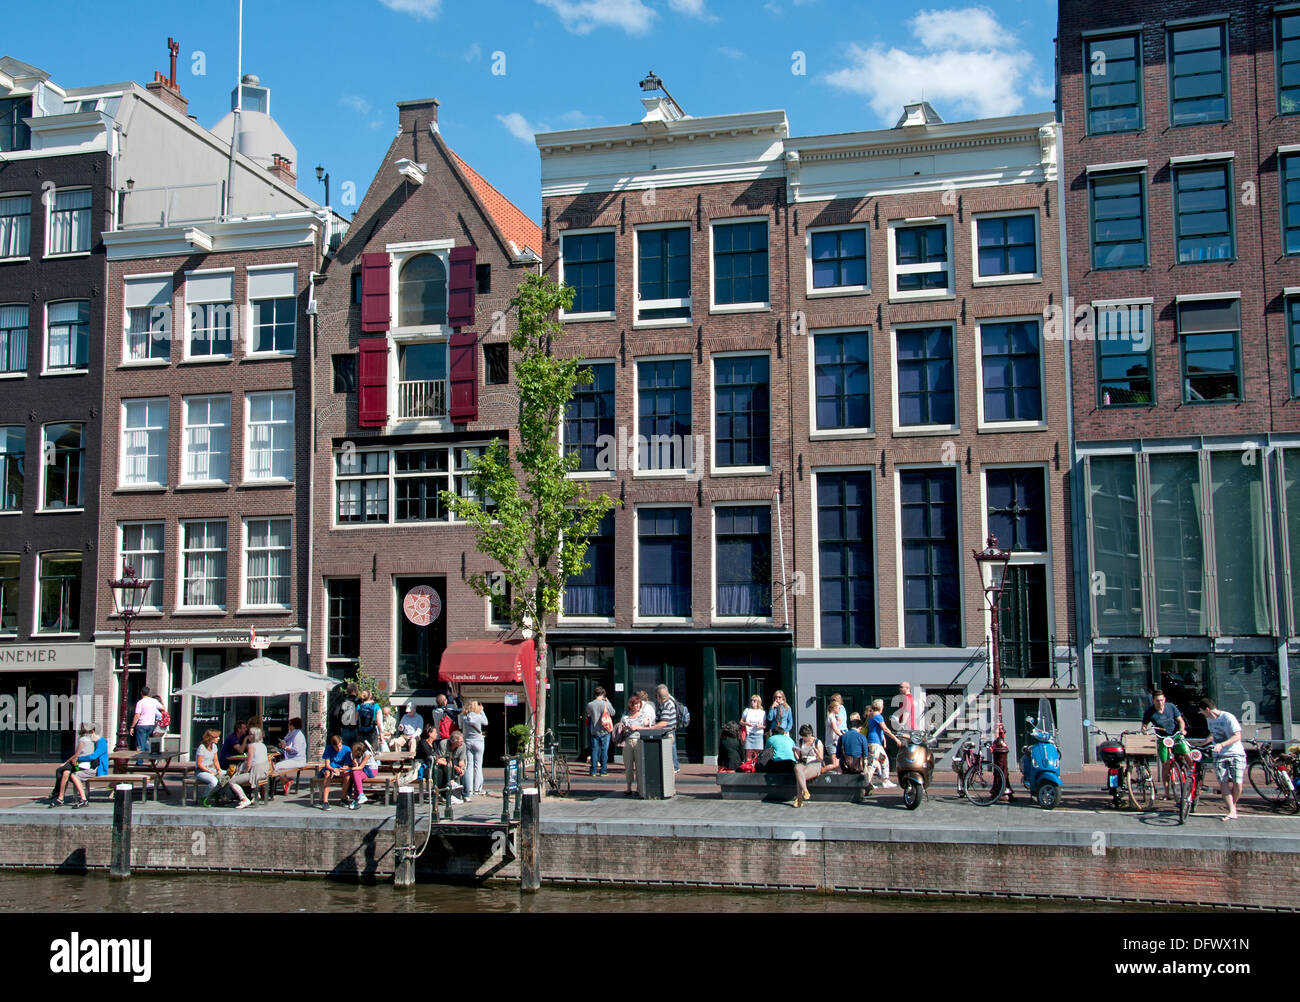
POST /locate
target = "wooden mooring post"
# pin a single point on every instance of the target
(530, 866)
(120, 861)
(404, 839)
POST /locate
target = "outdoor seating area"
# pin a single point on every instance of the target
(833, 787)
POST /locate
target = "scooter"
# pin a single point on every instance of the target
(1111, 751)
(915, 767)
(1040, 759)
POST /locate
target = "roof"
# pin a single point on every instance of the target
(511, 220)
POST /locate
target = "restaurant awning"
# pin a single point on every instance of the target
(486, 661)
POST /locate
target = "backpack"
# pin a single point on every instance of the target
(164, 721)
(366, 717)
(348, 718)
(683, 715)
(444, 726)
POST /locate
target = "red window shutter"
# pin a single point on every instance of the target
(374, 292)
(372, 383)
(462, 365)
(461, 287)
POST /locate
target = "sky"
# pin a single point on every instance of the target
(504, 69)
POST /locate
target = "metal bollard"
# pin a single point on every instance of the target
(120, 862)
(530, 871)
(404, 838)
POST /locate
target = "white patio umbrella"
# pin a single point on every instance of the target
(260, 677)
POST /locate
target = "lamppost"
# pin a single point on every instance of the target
(128, 596)
(323, 177)
(995, 559)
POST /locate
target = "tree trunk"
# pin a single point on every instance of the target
(539, 722)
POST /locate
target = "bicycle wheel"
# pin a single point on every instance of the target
(1286, 795)
(562, 785)
(1141, 791)
(1178, 781)
(1266, 786)
(984, 784)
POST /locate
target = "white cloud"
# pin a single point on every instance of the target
(358, 104)
(425, 9)
(473, 52)
(692, 8)
(731, 53)
(774, 8)
(519, 127)
(584, 16)
(969, 66)
(577, 119)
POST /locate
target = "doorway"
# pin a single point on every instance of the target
(419, 648)
(578, 671)
(1185, 680)
(54, 739)
(1024, 644)
(675, 666)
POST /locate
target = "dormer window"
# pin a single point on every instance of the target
(14, 133)
(422, 292)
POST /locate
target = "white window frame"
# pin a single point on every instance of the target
(168, 316)
(45, 467)
(814, 432)
(27, 340)
(182, 476)
(49, 223)
(895, 269)
(248, 436)
(250, 325)
(559, 265)
(835, 290)
(736, 471)
(618, 457)
(1020, 278)
(561, 617)
(677, 472)
(63, 370)
(816, 472)
(41, 557)
(182, 578)
(122, 482)
(27, 195)
(762, 307)
(1002, 426)
(244, 604)
(398, 255)
(390, 476)
(714, 618)
(899, 469)
(122, 554)
(188, 304)
(659, 304)
(491, 625)
(923, 429)
(637, 617)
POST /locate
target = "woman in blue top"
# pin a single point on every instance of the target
(780, 713)
(782, 751)
(91, 749)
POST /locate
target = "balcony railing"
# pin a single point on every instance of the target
(172, 205)
(422, 399)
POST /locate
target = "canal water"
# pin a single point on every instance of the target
(26, 891)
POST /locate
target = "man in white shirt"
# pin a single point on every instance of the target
(1229, 754)
(409, 728)
(148, 711)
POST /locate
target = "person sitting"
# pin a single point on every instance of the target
(808, 763)
(782, 747)
(422, 764)
(338, 764)
(449, 762)
(730, 754)
(409, 728)
(207, 769)
(256, 768)
(364, 766)
(234, 744)
(294, 747)
(853, 752)
(87, 743)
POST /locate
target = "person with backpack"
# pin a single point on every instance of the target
(369, 720)
(348, 717)
(670, 715)
(148, 715)
(600, 725)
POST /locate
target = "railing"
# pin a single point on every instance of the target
(171, 205)
(421, 399)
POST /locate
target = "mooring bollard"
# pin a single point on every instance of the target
(530, 867)
(120, 863)
(404, 839)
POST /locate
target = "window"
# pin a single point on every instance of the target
(1198, 75)
(1241, 559)
(846, 580)
(269, 446)
(273, 301)
(422, 292)
(211, 302)
(58, 593)
(205, 444)
(589, 271)
(419, 478)
(1291, 500)
(664, 562)
(1176, 543)
(13, 446)
(463, 459)
(742, 436)
(1017, 508)
(1203, 213)
(1125, 356)
(1116, 546)
(931, 570)
(64, 444)
(343, 626)
(140, 547)
(1123, 685)
(482, 279)
(1210, 331)
(1293, 339)
(266, 562)
(842, 380)
(589, 418)
(67, 335)
(921, 262)
(356, 287)
(203, 557)
(1114, 84)
(15, 222)
(1288, 64)
(345, 372)
(9, 579)
(837, 259)
(1119, 226)
(361, 486)
(496, 364)
(14, 133)
(740, 263)
(926, 395)
(422, 380)
(591, 593)
(743, 541)
(144, 442)
(499, 601)
(663, 274)
(70, 222)
(1011, 371)
(663, 393)
(148, 319)
(1289, 182)
(13, 338)
(1006, 246)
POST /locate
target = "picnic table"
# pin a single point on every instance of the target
(397, 762)
(159, 763)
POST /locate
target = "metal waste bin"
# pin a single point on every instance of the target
(654, 765)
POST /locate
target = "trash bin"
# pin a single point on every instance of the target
(654, 765)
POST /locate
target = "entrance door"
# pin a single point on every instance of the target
(419, 648)
(577, 672)
(735, 689)
(1185, 680)
(43, 728)
(677, 667)
(1023, 631)
(857, 699)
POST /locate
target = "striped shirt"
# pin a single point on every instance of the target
(666, 712)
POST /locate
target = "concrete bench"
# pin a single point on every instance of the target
(835, 787)
(143, 782)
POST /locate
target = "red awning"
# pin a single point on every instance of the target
(486, 661)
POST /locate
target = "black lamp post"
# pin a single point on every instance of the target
(323, 177)
(128, 597)
(996, 560)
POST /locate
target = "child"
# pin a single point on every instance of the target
(363, 763)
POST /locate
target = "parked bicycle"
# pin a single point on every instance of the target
(1128, 777)
(555, 767)
(1186, 771)
(979, 779)
(1273, 775)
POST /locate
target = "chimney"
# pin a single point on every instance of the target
(417, 116)
(282, 168)
(166, 87)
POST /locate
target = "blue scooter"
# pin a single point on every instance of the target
(1040, 759)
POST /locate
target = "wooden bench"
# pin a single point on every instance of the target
(295, 772)
(389, 781)
(142, 780)
(834, 787)
(190, 785)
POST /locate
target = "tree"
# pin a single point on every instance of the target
(529, 517)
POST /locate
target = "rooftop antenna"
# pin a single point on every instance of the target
(653, 82)
(239, 105)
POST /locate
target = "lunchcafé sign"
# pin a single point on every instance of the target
(64, 657)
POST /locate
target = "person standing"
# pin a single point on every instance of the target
(348, 716)
(370, 720)
(473, 723)
(600, 725)
(1166, 719)
(837, 722)
(1229, 753)
(148, 711)
(666, 720)
(639, 715)
(754, 720)
(780, 714)
(877, 731)
(906, 719)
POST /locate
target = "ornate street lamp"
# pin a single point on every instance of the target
(996, 560)
(128, 597)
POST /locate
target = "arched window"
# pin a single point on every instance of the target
(422, 292)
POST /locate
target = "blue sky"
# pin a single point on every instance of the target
(505, 68)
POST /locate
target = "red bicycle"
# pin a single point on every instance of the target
(1186, 767)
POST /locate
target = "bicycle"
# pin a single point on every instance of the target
(1273, 775)
(554, 767)
(979, 778)
(1186, 767)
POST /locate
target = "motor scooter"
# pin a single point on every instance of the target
(1040, 759)
(914, 765)
(1111, 752)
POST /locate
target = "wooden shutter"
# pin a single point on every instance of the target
(374, 292)
(372, 383)
(461, 287)
(462, 366)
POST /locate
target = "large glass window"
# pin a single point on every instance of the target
(148, 335)
(931, 569)
(589, 271)
(1116, 546)
(1241, 563)
(70, 222)
(144, 442)
(1122, 686)
(1198, 74)
(1114, 84)
(1011, 371)
(1203, 213)
(141, 547)
(59, 593)
(1210, 331)
(740, 263)
(742, 433)
(205, 446)
(421, 292)
(664, 562)
(846, 579)
(67, 335)
(10, 576)
(839, 258)
(65, 449)
(1291, 487)
(1119, 224)
(1289, 189)
(419, 478)
(1288, 66)
(663, 393)
(591, 593)
(1017, 508)
(274, 325)
(589, 419)
(842, 378)
(15, 222)
(664, 274)
(270, 436)
(1125, 356)
(13, 446)
(13, 338)
(1177, 544)
(267, 565)
(210, 301)
(15, 134)
(361, 486)
(343, 626)
(922, 262)
(925, 377)
(1293, 341)
(203, 559)
(1006, 246)
(743, 537)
